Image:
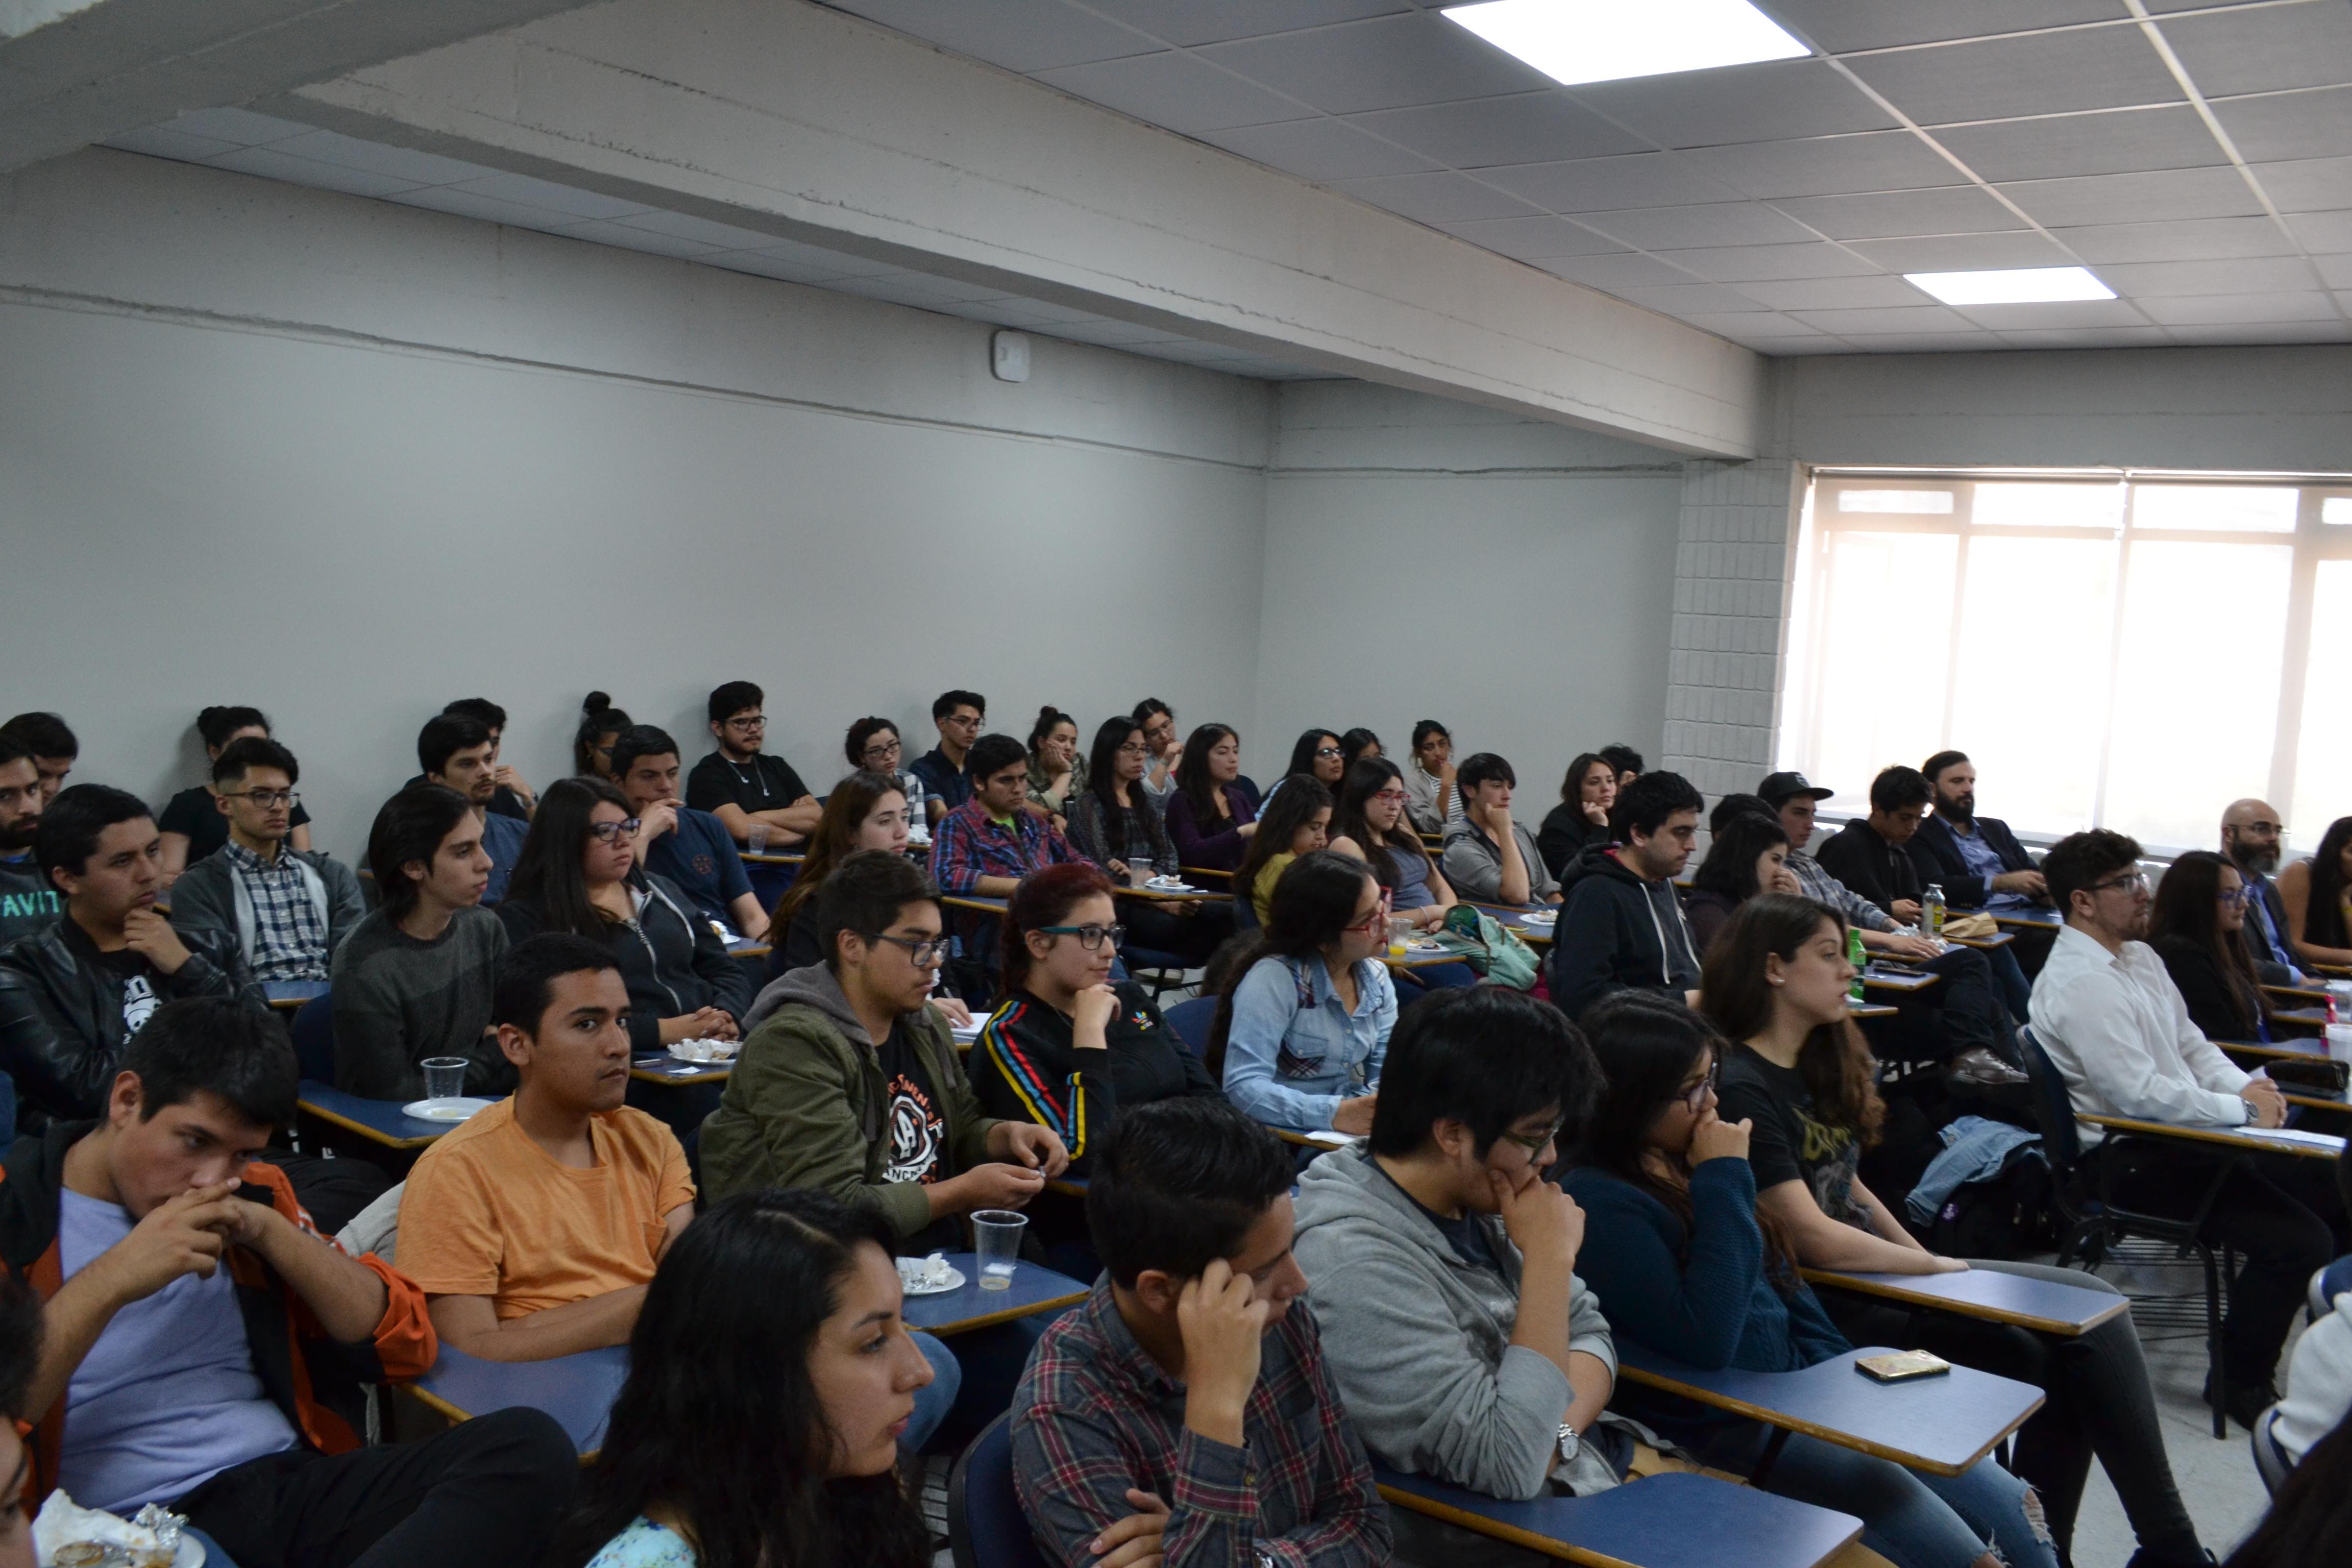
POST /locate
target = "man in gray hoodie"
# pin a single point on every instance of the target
(1442, 1262)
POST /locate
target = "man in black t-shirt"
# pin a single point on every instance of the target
(29, 902)
(743, 786)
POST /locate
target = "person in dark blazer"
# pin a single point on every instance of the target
(1957, 848)
(2198, 928)
(2250, 837)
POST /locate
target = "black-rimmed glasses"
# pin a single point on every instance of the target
(925, 953)
(266, 799)
(1089, 937)
(605, 832)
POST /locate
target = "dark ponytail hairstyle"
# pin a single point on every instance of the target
(598, 718)
(1736, 997)
(1042, 898)
(1049, 718)
(718, 1424)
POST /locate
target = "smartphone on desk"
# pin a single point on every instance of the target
(1902, 1366)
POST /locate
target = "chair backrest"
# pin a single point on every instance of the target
(1190, 1020)
(2052, 1107)
(986, 1527)
(2328, 1282)
(313, 1029)
(2270, 1462)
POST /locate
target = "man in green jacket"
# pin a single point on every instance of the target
(849, 1081)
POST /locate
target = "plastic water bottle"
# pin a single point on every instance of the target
(1931, 912)
(1853, 955)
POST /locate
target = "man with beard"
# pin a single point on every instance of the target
(2250, 837)
(1976, 859)
(28, 902)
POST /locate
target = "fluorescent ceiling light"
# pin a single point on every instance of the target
(2012, 286)
(1574, 41)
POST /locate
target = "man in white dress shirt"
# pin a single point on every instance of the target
(2118, 1033)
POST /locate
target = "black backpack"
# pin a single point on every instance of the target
(2005, 1215)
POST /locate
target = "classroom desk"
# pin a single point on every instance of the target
(1197, 894)
(1670, 1521)
(379, 1122)
(2299, 993)
(1871, 1010)
(2313, 1017)
(577, 1390)
(1204, 873)
(1513, 917)
(2333, 971)
(774, 857)
(744, 947)
(660, 1067)
(1899, 980)
(1323, 1139)
(2042, 1305)
(2309, 1046)
(1034, 1289)
(1941, 1424)
(1984, 943)
(979, 901)
(287, 996)
(2247, 1140)
(2027, 919)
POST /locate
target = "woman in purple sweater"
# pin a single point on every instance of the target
(1209, 818)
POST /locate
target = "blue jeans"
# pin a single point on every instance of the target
(933, 1401)
(1912, 1519)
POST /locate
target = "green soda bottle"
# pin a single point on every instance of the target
(1853, 955)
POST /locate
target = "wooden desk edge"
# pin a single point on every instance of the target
(2226, 1137)
(1534, 1540)
(1826, 1434)
(1895, 1292)
(651, 1075)
(433, 1402)
(372, 1134)
(1011, 1314)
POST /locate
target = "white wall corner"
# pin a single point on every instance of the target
(1732, 586)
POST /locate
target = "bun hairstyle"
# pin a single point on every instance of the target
(1048, 717)
(598, 718)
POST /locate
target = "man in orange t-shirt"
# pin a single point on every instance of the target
(534, 1227)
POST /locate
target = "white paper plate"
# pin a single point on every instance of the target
(954, 1282)
(451, 1110)
(707, 1053)
(191, 1554)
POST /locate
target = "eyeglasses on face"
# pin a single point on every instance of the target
(880, 751)
(2230, 898)
(1329, 752)
(1089, 937)
(2134, 883)
(1135, 750)
(266, 799)
(1535, 1142)
(755, 722)
(1392, 796)
(1375, 922)
(605, 832)
(1696, 1095)
(925, 953)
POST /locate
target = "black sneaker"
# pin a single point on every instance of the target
(2243, 1401)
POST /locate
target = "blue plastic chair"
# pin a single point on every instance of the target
(313, 1029)
(986, 1527)
(2270, 1462)
(1190, 1021)
(2328, 1283)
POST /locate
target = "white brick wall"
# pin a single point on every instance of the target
(1731, 601)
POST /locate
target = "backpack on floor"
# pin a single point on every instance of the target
(2006, 1215)
(1498, 954)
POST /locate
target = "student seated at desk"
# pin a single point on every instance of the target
(73, 997)
(2198, 928)
(1443, 1262)
(849, 1081)
(1977, 860)
(20, 1355)
(1801, 1079)
(865, 811)
(692, 848)
(740, 784)
(512, 797)
(415, 977)
(2250, 837)
(1580, 821)
(1298, 821)
(1210, 817)
(190, 1305)
(1301, 1028)
(29, 902)
(1114, 824)
(460, 754)
(945, 768)
(772, 1386)
(2115, 1028)
(1068, 1047)
(1056, 772)
(1622, 925)
(1370, 824)
(601, 727)
(1317, 754)
(1185, 1411)
(1356, 744)
(192, 824)
(990, 842)
(1428, 778)
(1686, 1262)
(580, 874)
(1746, 854)
(533, 1229)
(1626, 760)
(1157, 722)
(286, 908)
(872, 746)
(53, 746)
(1489, 855)
(2317, 896)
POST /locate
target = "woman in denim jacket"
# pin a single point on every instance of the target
(1302, 1029)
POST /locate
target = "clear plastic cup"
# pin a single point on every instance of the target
(2339, 1042)
(757, 839)
(996, 1237)
(1400, 936)
(444, 1077)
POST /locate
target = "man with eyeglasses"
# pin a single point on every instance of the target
(2251, 837)
(286, 908)
(744, 786)
(2115, 1027)
(946, 768)
(1442, 1259)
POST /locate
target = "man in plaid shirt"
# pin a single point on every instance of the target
(1186, 1405)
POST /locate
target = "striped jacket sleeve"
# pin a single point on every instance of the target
(1015, 1079)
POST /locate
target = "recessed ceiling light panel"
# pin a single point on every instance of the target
(2012, 286)
(1574, 41)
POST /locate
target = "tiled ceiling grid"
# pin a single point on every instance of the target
(2196, 156)
(277, 149)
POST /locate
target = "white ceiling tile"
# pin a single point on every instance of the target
(2071, 314)
(1885, 214)
(1717, 224)
(1963, 252)
(1751, 263)
(776, 267)
(1019, 35)
(2118, 141)
(2197, 308)
(833, 263)
(169, 142)
(597, 230)
(237, 127)
(1675, 298)
(2182, 239)
(1318, 148)
(2279, 126)
(1835, 293)
(1599, 185)
(549, 195)
(2160, 196)
(1771, 101)
(2243, 274)
(2307, 184)
(1444, 197)
(2038, 73)
(1827, 166)
(2322, 231)
(1890, 319)
(2336, 271)
(2087, 338)
(271, 163)
(701, 230)
(1179, 91)
(1841, 25)
(2265, 49)
(1748, 324)
(1922, 342)
(2220, 333)
(1626, 268)
(403, 164)
(1523, 128)
(1385, 63)
(465, 203)
(1530, 238)
(1188, 22)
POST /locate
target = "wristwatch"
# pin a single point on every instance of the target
(1567, 1442)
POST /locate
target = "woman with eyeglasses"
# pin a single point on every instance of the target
(873, 746)
(1303, 1025)
(1113, 823)
(1068, 1047)
(193, 826)
(1686, 1262)
(2197, 929)
(1319, 754)
(579, 873)
(600, 728)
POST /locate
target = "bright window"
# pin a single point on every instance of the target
(2123, 652)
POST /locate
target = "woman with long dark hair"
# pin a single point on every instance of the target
(1113, 823)
(1685, 1262)
(1302, 1024)
(601, 727)
(1775, 983)
(192, 825)
(1580, 820)
(1747, 856)
(1370, 823)
(579, 873)
(1319, 754)
(770, 1378)
(2317, 894)
(2310, 1522)
(1296, 821)
(2197, 928)
(1355, 746)
(867, 810)
(1210, 817)
(1429, 776)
